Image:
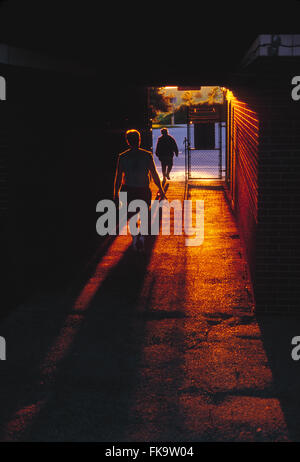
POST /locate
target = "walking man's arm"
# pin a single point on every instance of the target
(118, 181)
(157, 148)
(175, 147)
(156, 178)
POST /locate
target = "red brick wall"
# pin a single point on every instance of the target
(242, 170)
(263, 157)
(277, 274)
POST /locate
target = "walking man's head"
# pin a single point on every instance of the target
(164, 131)
(133, 138)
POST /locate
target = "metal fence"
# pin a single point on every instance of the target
(204, 145)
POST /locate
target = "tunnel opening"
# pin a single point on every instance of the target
(195, 117)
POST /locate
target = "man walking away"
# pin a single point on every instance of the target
(166, 147)
(135, 167)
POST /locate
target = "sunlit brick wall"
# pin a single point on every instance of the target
(263, 182)
(242, 169)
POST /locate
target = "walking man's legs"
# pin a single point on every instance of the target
(144, 194)
(166, 166)
(169, 167)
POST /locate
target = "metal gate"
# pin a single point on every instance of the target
(203, 158)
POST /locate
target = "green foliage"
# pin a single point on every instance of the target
(158, 102)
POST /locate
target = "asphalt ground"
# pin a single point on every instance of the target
(160, 346)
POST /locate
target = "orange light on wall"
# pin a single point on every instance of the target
(242, 154)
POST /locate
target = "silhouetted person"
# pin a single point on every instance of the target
(135, 167)
(166, 147)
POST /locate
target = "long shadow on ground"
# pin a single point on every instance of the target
(92, 389)
(277, 333)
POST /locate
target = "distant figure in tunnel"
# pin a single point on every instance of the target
(166, 147)
(135, 167)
